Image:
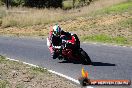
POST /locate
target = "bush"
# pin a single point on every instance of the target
(1, 2)
(44, 3)
(34, 3)
(17, 2)
(67, 5)
(47, 3)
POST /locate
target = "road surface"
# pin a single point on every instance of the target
(109, 62)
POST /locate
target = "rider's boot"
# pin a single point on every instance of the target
(54, 55)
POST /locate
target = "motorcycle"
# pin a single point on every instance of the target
(67, 53)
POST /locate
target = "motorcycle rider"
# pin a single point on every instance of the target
(55, 40)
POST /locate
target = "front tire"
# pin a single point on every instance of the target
(85, 58)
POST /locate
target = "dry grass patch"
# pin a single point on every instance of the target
(114, 21)
(21, 17)
(18, 75)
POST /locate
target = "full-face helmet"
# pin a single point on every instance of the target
(56, 30)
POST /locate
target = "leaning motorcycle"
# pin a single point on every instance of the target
(66, 53)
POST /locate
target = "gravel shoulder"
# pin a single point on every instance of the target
(18, 75)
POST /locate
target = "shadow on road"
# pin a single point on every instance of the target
(102, 64)
(93, 63)
(74, 62)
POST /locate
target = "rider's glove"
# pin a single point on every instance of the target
(64, 41)
(57, 47)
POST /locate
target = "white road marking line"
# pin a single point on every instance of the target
(30, 64)
(84, 42)
(94, 43)
(67, 77)
(116, 45)
(105, 44)
(12, 59)
(54, 72)
(89, 87)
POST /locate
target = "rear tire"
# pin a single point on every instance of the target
(85, 58)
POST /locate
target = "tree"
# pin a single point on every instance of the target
(44, 3)
(85, 2)
(73, 3)
(7, 4)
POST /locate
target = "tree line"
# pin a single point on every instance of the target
(40, 3)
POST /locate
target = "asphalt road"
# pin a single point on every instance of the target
(109, 62)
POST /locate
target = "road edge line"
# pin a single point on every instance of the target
(51, 71)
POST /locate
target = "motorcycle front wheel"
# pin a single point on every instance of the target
(84, 57)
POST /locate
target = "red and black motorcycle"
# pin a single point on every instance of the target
(68, 53)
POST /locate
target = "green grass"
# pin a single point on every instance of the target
(26, 76)
(2, 59)
(127, 23)
(67, 5)
(17, 18)
(106, 39)
(2, 13)
(37, 17)
(1, 3)
(122, 7)
(4, 84)
(38, 69)
(119, 8)
(19, 86)
(15, 65)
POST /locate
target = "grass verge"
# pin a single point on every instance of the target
(23, 17)
(18, 75)
(106, 39)
(122, 7)
(113, 22)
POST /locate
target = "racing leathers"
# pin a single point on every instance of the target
(67, 37)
